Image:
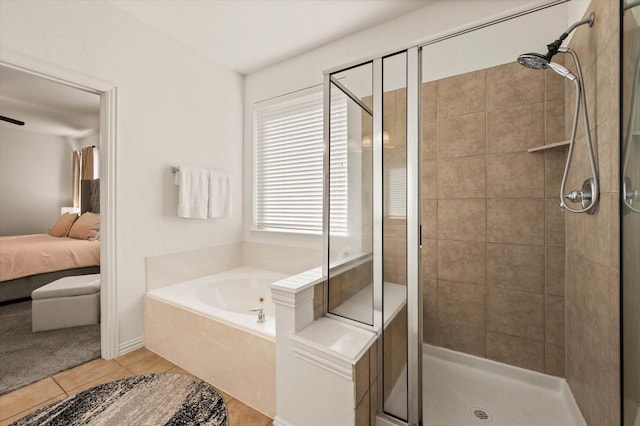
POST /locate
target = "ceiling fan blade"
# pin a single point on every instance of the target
(11, 120)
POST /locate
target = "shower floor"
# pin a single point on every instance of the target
(464, 390)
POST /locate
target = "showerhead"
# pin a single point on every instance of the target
(537, 61)
(534, 61)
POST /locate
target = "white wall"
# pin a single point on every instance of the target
(35, 180)
(442, 17)
(174, 106)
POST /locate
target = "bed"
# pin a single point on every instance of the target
(72, 247)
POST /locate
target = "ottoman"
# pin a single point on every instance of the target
(67, 302)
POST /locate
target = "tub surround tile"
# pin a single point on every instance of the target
(172, 268)
(190, 339)
(518, 351)
(515, 129)
(430, 310)
(430, 258)
(429, 140)
(554, 83)
(279, 258)
(598, 236)
(515, 175)
(516, 267)
(429, 105)
(429, 218)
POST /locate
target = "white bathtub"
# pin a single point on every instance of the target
(228, 297)
(204, 326)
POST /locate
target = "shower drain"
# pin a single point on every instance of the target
(480, 414)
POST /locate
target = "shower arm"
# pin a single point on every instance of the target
(580, 101)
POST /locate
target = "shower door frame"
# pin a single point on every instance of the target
(413, 225)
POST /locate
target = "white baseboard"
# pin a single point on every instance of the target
(131, 345)
(277, 421)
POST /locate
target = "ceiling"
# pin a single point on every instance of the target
(46, 106)
(244, 35)
(248, 35)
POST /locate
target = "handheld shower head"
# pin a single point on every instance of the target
(534, 61)
(562, 71)
(537, 61)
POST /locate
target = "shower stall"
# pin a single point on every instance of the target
(455, 248)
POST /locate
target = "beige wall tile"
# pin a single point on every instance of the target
(461, 261)
(462, 94)
(461, 177)
(429, 140)
(515, 221)
(554, 360)
(512, 85)
(598, 236)
(463, 338)
(554, 320)
(429, 187)
(554, 82)
(518, 351)
(462, 135)
(462, 219)
(516, 267)
(461, 303)
(554, 121)
(605, 138)
(429, 218)
(605, 98)
(554, 225)
(554, 161)
(430, 258)
(429, 310)
(362, 378)
(515, 313)
(429, 105)
(515, 129)
(554, 271)
(515, 175)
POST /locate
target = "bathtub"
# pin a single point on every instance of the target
(205, 326)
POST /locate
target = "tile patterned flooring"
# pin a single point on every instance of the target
(21, 402)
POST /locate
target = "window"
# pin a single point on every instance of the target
(288, 163)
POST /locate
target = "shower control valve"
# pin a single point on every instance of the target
(577, 196)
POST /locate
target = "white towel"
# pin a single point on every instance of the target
(219, 194)
(193, 195)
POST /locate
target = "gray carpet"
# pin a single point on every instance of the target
(27, 357)
(151, 399)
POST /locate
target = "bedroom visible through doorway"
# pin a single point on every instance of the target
(42, 194)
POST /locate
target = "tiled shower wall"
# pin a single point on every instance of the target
(592, 292)
(493, 253)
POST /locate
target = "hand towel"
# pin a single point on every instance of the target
(219, 194)
(193, 193)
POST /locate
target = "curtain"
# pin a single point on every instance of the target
(85, 166)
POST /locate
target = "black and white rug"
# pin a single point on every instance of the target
(151, 399)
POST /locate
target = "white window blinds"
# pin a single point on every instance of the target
(288, 162)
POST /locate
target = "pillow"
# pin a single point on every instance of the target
(87, 227)
(63, 224)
